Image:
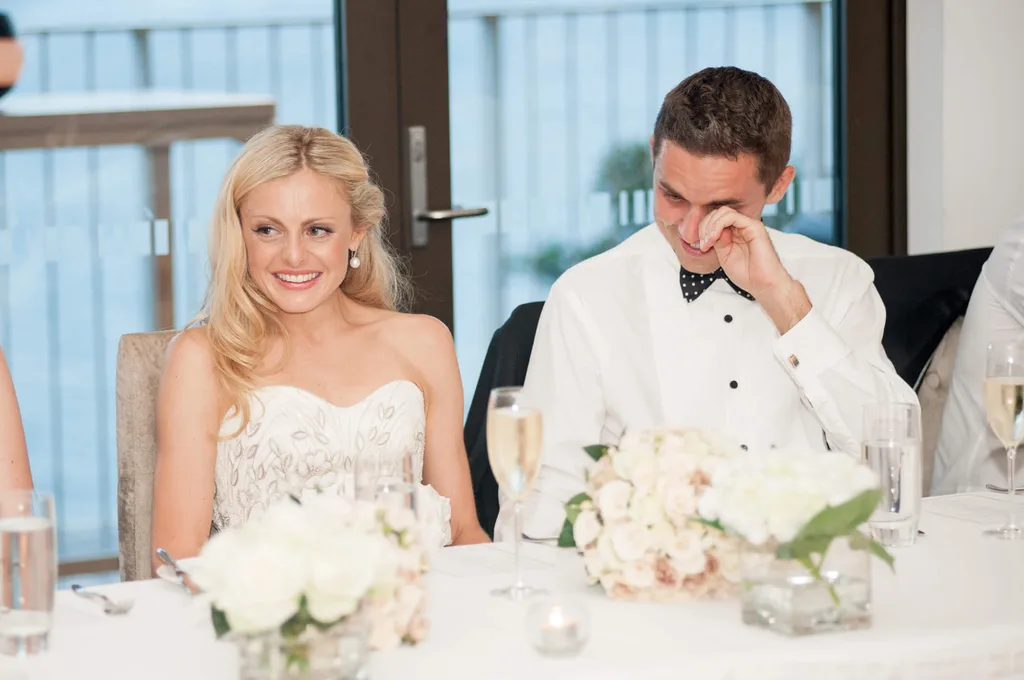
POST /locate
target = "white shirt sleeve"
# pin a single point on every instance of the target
(564, 380)
(839, 365)
(968, 455)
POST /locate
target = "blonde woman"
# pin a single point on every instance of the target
(14, 469)
(303, 361)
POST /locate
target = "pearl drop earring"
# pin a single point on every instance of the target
(353, 260)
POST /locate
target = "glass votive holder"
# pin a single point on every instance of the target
(558, 626)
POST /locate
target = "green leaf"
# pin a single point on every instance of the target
(573, 506)
(803, 547)
(859, 541)
(220, 622)
(565, 539)
(712, 523)
(296, 625)
(596, 452)
(841, 520)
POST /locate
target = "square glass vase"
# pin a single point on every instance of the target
(339, 653)
(786, 597)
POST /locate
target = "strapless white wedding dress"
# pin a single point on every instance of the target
(297, 443)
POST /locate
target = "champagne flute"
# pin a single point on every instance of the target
(514, 434)
(1004, 404)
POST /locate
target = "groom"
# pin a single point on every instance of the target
(707, 318)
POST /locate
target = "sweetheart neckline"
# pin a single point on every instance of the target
(341, 407)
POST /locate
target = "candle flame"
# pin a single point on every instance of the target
(556, 618)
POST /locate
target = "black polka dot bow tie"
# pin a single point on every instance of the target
(693, 285)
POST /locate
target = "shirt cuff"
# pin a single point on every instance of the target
(810, 348)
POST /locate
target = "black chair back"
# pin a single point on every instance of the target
(923, 296)
(504, 366)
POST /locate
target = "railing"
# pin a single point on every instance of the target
(550, 111)
(74, 231)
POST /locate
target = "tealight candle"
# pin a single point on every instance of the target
(558, 628)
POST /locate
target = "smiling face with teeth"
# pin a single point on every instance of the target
(687, 187)
(298, 232)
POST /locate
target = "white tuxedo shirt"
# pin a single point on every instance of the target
(619, 348)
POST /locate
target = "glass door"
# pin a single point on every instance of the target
(540, 113)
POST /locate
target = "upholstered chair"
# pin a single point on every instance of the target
(140, 361)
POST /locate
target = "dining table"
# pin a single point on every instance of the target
(953, 607)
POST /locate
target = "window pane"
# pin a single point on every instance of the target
(551, 112)
(78, 248)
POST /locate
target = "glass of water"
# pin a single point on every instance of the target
(28, 576)
(892, 448)
(387, 476)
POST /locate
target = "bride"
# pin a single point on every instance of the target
(302, 363)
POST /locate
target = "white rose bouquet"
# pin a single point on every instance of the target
(311, 566)
(796, 503)
(637, 521)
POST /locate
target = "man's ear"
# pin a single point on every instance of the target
(781, 185)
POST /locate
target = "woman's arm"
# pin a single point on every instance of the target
(15, 472)
(187, 420)
(445, 464)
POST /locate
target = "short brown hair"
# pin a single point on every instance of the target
(726, 111)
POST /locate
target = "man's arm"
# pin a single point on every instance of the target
(564, 381)
(968, 454)
(838, 363)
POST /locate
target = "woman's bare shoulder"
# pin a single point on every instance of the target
(418, 335)
(190, 355)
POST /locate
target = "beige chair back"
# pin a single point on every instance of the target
(933, 392)
(140, 361)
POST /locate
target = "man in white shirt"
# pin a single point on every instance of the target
(968, 454)
(707, 318)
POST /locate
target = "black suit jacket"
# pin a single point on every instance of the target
(504, 366)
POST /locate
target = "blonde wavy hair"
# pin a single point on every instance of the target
(239, 318)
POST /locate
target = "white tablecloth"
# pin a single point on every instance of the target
(954, 609)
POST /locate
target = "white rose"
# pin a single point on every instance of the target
(594, 564)
(662, 534)
(687, 554)
(606, 549)
(220, 556)
(729, 562)
(675, 465)
(600, 474)
(586, 529)
(630, 541)
(638, 575)
(407, 603)
(341, 571)
(680, 503)
(610, 579)
(613, 500)
(708, 506)
(259, 584)
(646, 509)
(384, 634)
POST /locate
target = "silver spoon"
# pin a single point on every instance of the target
(109, 606)
(179, 573)
(1002, 489)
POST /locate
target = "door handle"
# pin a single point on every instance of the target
(453, 214)
(421, 216)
